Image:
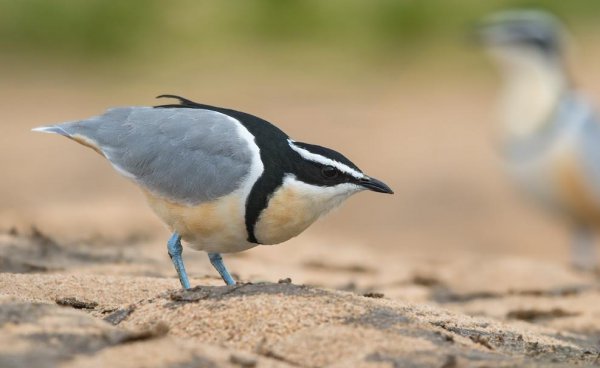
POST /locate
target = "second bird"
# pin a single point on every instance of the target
(550, 133)
(222, 180)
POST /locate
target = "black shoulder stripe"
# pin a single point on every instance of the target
(258, 199)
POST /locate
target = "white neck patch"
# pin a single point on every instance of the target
(257, 167)
(307, 155)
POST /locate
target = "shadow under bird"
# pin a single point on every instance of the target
(550, 134)
(222, 180)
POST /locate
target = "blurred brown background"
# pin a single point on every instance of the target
(395, 85)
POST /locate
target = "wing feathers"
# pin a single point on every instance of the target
(185, 155)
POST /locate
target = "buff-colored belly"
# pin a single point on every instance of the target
(216, 226)
(575, 190)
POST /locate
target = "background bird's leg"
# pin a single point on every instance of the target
(217, 262)
(175, 249)
(583, 249)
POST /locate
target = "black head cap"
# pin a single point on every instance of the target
(328, 153)
(325, 167)
(534, 29)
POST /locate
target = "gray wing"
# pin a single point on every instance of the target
(187, 155)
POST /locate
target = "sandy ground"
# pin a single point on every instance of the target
(454, 270)
(96, 304)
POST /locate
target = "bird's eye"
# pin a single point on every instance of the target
(329, 172)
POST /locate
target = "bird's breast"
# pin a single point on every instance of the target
(294, 206)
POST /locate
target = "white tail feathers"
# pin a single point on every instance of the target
(54, 129)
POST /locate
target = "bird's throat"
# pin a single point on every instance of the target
(532, 89)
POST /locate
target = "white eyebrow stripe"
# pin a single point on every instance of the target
(307, 155)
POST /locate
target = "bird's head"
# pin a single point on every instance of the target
(314, 181)
(520, 37)
(330, 170)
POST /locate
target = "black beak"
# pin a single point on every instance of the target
(375, 185)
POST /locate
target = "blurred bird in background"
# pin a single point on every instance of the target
(550, 135)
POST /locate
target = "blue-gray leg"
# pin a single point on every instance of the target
(217, 262)
(583, 249)
(175, 249)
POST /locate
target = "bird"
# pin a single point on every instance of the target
(222, 180)
(549, 132)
